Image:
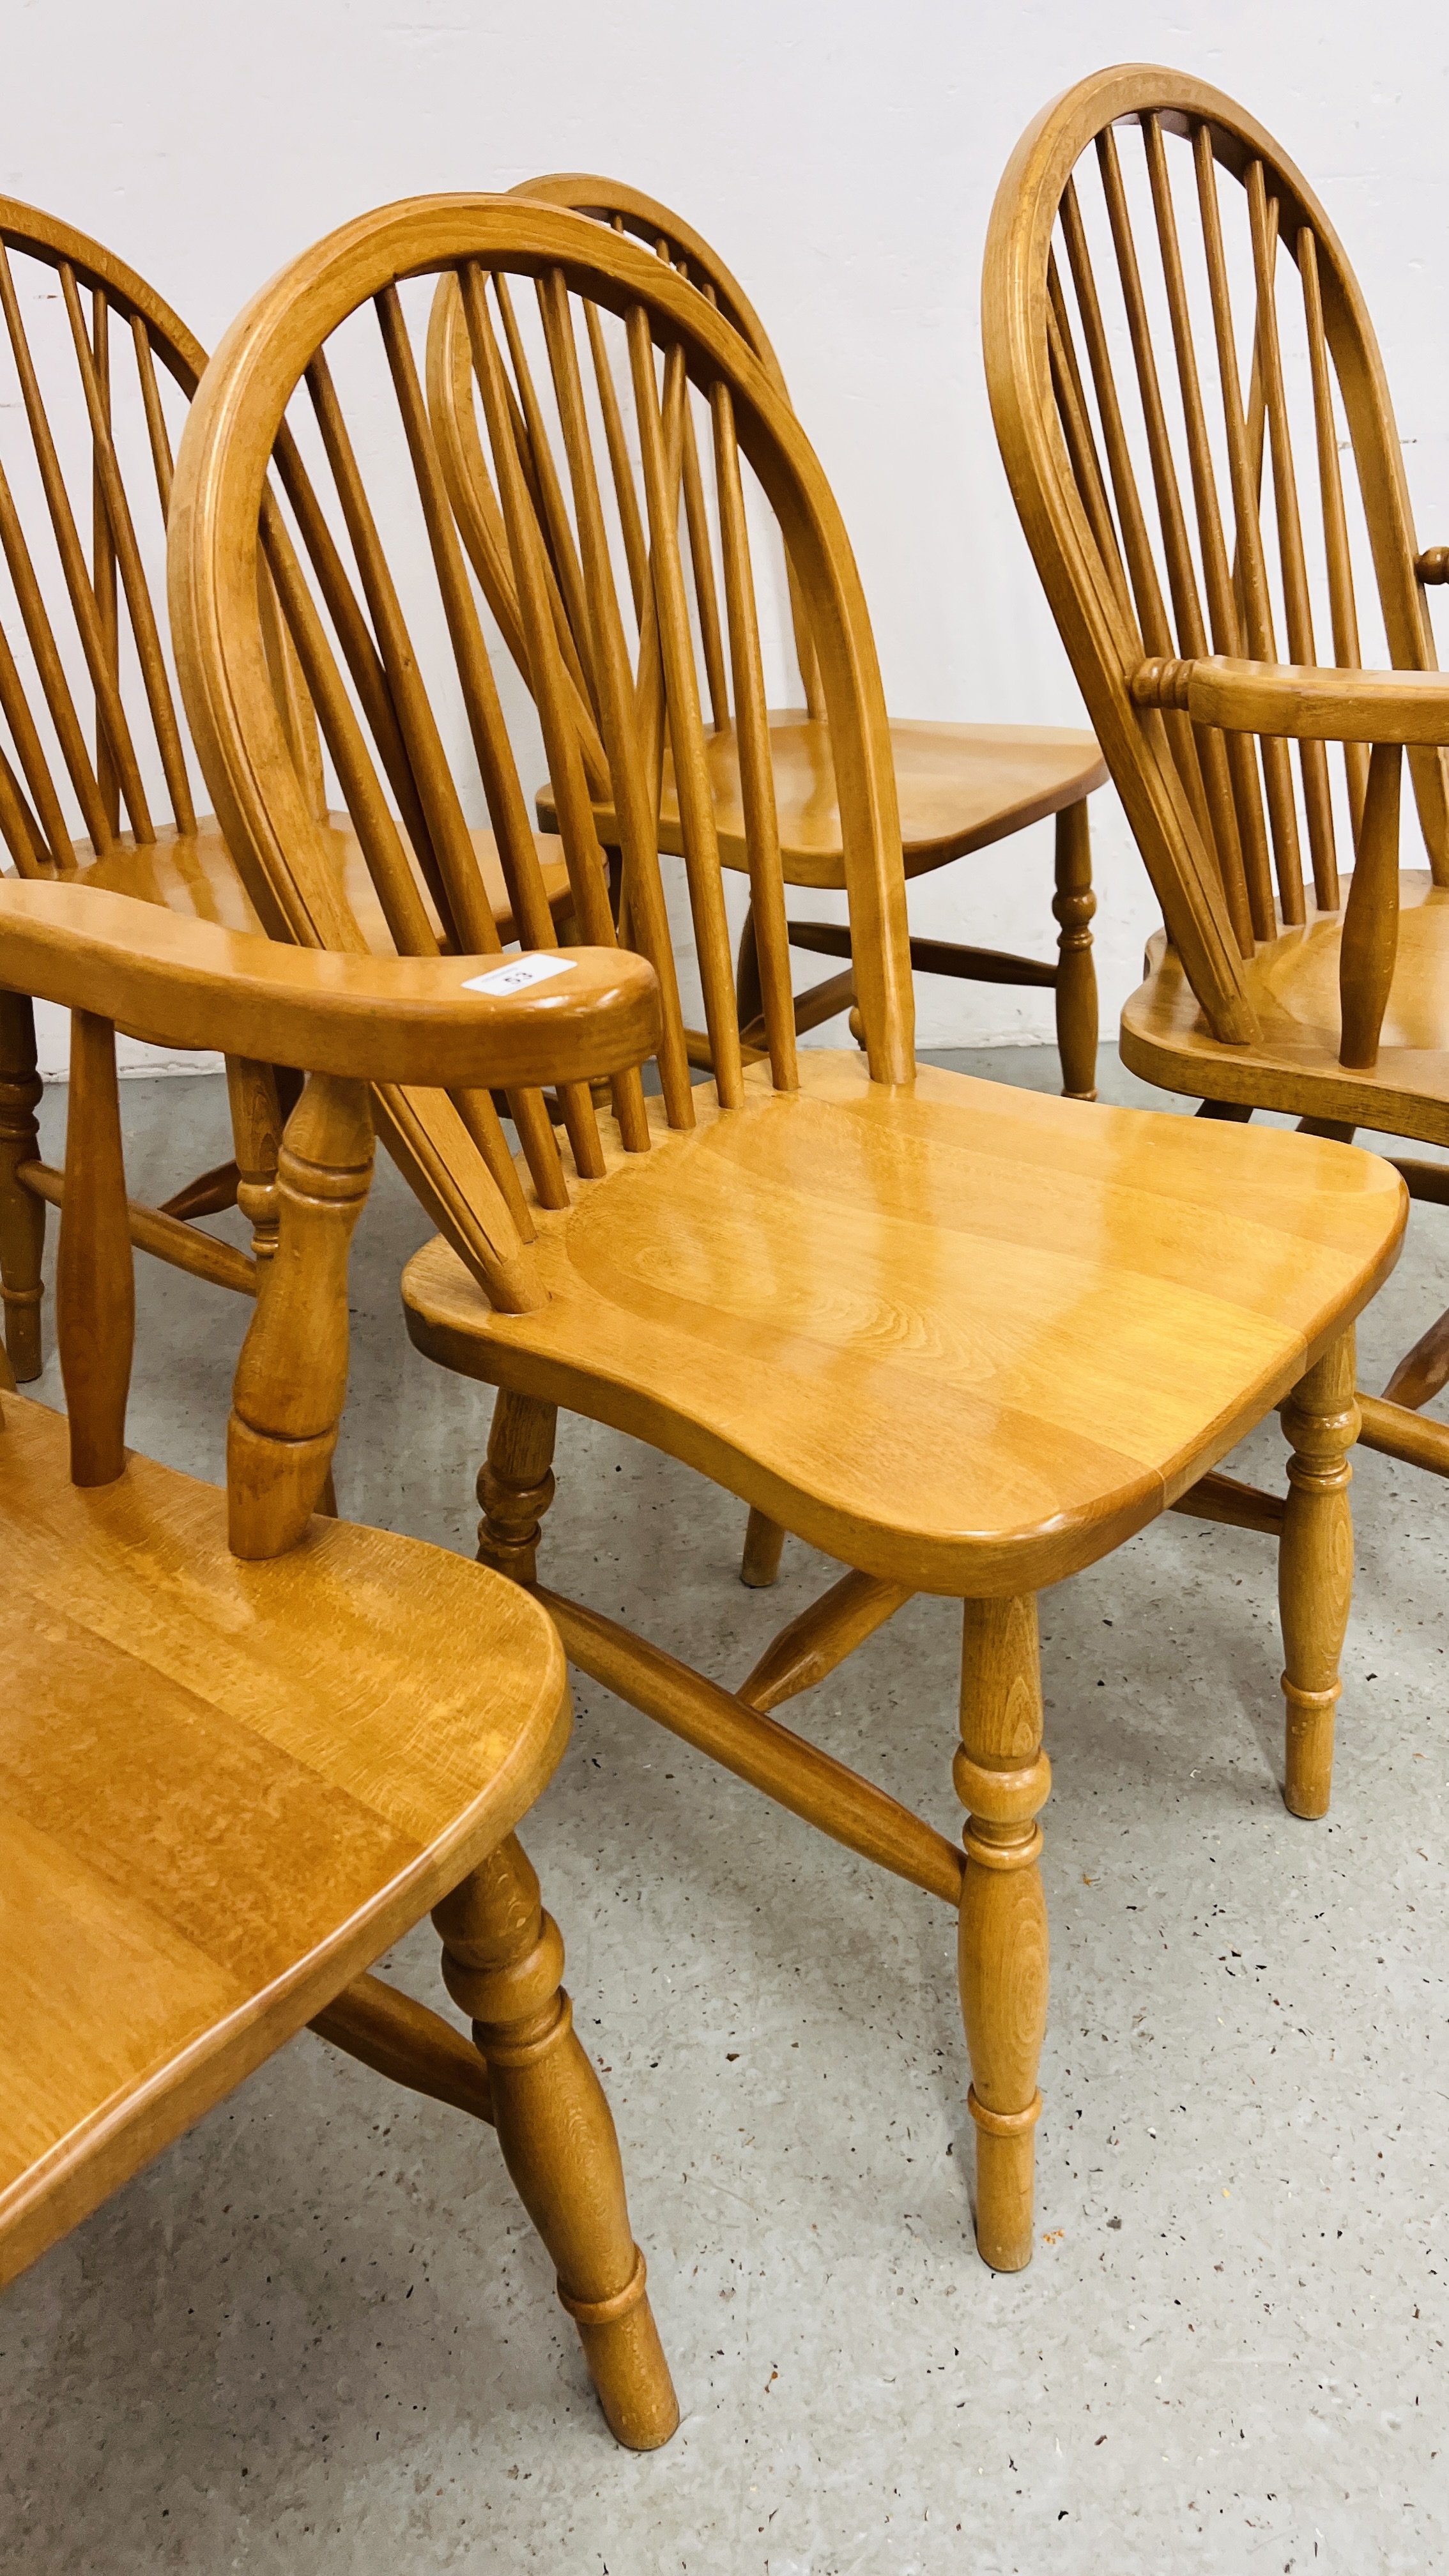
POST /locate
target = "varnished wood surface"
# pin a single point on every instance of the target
(193, 873)
(1185, 653)
(958, 1336)
(961, 787)
(1305, 703)
(275, 1770)
(962, 1339)
(1003, 1778)
(1315, 1569)
(391, 1019)
(1292, 1063)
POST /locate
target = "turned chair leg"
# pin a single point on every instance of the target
(1076, 987)
(257, 1121)
(1315, 1569)
(1002, 1778)
(764, 1546)
(22, 1216)
(502, 1964)
(515, 1484)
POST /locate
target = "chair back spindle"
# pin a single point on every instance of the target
(81, 621)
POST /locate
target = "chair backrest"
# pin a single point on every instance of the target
(1196, 427)
(419, 707)
(451, 402)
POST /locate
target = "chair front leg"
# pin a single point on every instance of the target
(22, 1216)
(1002, 1778)
(502, 1964)
(1315, 1569)
(1076, 987)
(515, 1483)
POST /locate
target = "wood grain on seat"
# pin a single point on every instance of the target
(1293, 984)
(224, 1790)
(961, 788)
(194, 873)
(955, 1337)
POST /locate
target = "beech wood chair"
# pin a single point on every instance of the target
(960, 787)
(962, 1338)
(1197, 429)
(88, 438)
(242, 1749)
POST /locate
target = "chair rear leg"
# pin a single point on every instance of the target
(1002, 1778)
(515, 1483)
(22, 1216)
(502, 1963)
(1076, 988)
(764, 1546)
(1315, 1570)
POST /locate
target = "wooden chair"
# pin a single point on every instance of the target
(960, 788)
(1197, 429)
(106, 352)
(962, 1338)
(243, 1750)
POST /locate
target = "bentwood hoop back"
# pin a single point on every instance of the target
(241, 740)
(960, 787)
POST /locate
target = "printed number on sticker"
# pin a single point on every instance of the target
(521, 972)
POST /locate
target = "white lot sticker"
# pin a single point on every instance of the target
(522, 972)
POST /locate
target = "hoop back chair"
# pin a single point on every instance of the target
(1197, 430)
(958, 1337)
(960, 788)
(96, 783)
(244, 1749)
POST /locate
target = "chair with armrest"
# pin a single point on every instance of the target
(87, 444)
(242, 1748)
(961, 788)
(1196, 426)
(963, 1339)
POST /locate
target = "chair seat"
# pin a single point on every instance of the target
(1293, 1065)
(225, 1788)
(194, 872)
(960, 788)
(959, 1336)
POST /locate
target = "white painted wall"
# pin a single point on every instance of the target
(843, 157)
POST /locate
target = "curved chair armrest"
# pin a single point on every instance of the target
(1331, 705)
(588, 1012)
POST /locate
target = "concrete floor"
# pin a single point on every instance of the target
(317, 2334)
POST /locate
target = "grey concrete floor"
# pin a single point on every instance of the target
(317, 2333)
